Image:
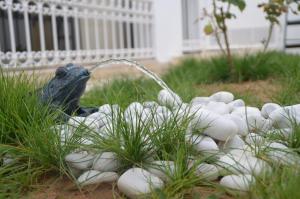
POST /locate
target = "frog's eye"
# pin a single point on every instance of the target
(61, 72)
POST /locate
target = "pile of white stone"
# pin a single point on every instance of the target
(230, 131)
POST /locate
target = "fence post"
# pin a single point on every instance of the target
(168, 29)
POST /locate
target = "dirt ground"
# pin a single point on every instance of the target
(63, 188)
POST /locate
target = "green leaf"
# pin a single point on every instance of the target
(241, 4)
(208, 29)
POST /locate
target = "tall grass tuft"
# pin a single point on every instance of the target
(27, 136)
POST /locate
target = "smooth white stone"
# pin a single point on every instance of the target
(233, 143)
(150, 104)
(107, 161)
(207, 171)
(246, 151)
(134, 110)
(161, 116)
(221, 129)
(285, 133)
(158, 120)
(136, 182)
(237, 103)
(203, 144)
(96, 177)
(218, 107)
(86, 141)
(64, 131)
(200, 101)
(75, 121)
(162, 169)
(255, 122)
(241, 111)
(214, 125)
(80, 160)
(106, 108)
(268, 108)
(281, 154)
(222, 96)
(240, 123)
(285, 117)
(268, 125)
(101, 118)
(90, 123)
(238, 182)
(166, 98)
(194, 109)
(75, 172)
(255, 139)
(164, 111)
(243, 163)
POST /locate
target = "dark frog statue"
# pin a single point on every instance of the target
(65, 89)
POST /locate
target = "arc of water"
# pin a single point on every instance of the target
(138, 66)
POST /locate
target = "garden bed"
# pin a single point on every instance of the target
(27, 136)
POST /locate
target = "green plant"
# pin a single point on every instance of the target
(222, 11)
(282, 183)
(28, 136)
(273, 10)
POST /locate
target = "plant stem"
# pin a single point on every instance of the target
(270, 33)
(217, 25)
(224, 29)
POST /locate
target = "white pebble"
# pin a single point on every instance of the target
(255, 139)
(107, 161)
(237, 182)
(150, 104)
(162, 169)
(268, 108)
(218, 107)
(203, 144)
(136, 182)
(166, 98)
(255, 122)
(233, 143)
(207, 171)
(237, 103)
(222, 96)
(200, 101)
(240, 123)
(241, 111)
(281, 154)
(213, 125)
(243, 163)
(284, 117)
(80, 160)
(96, 177)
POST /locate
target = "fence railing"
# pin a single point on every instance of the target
(54, 32)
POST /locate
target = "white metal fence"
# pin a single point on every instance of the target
(54, 32)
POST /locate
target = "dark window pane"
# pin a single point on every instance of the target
(60, 33)
(71, 33)
(4, 33)
(48, 33)
(34, 32)
(19, 27)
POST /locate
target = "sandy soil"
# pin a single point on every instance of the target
(63, 188)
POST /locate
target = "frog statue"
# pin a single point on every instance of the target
(65, 89)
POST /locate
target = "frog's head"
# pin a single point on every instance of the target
(67, 86)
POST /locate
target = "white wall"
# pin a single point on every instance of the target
(168, 29)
